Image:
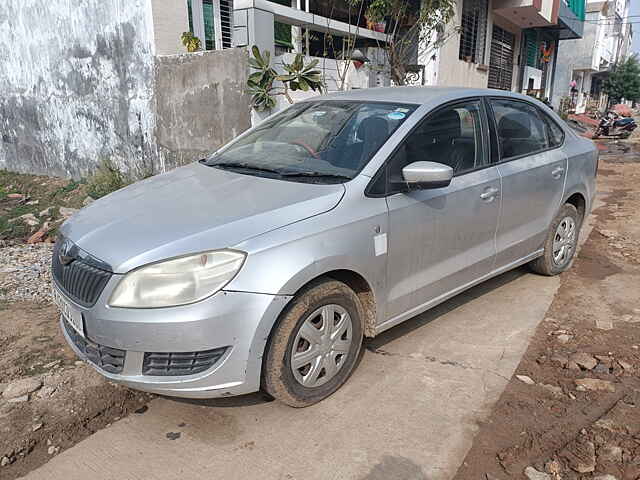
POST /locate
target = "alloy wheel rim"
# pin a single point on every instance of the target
(564, 241)
(321, 346)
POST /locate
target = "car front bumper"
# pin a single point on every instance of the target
(239, 321)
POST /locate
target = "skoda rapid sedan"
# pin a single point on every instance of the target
(265, 265)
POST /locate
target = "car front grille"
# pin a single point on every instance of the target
(80, 278)
(180, 363)
(109, 359)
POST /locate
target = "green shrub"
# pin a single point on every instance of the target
(106, 179)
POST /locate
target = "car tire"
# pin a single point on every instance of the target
(333, 309)
(552, 262)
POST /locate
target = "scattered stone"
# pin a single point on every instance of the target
(571, 396)
(46, 212)
(581, 456)
(23, 398)
(55, 363)
(30, 219)
(79, 363)
(21, 387)
(525, 379)
(558, 332)
(609, 233)
(610, 453)
(554, 390)
(604, 323)
(67, 212)
(52, 450)
(553, 466)
(560, 360)
(533, 474)
(25, 273)
(601, 368)
(564, 338)
(45, 392)
(39, 235)
(626, 366)
(87, 201)
(36, 427)
(4, 461)
(582, 360)
(595, 384)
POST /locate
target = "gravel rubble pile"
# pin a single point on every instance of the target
(25, 272)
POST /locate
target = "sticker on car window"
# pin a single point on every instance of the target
(396, 115)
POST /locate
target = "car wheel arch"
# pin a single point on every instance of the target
(578, 200)
(350, 277)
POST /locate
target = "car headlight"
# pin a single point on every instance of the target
(177, 281)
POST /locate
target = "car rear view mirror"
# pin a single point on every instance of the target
(425, 175)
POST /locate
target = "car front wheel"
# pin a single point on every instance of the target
(314, 347)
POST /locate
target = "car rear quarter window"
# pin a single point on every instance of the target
(521, 131)
(554, 132)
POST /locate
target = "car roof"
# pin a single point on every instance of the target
(415, 95)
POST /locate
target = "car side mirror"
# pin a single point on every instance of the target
(424, 175)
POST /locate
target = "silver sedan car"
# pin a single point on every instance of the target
(265, 265)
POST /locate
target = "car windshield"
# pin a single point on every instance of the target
(318, 142)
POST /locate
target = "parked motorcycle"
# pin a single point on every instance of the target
(615, 126)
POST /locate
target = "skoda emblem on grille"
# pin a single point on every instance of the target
(63, 254)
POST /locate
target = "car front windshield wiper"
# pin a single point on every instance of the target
(244, 166)
(319, 175)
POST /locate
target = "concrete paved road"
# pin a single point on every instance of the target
(409, 411)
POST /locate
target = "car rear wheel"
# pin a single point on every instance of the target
(314, 347)
(560, 245)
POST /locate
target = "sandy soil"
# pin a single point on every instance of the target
(574, 413)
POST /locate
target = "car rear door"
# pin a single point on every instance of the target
(533, 169)
(442, 239)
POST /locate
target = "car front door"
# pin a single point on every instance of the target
(533, 169)
(441, 239)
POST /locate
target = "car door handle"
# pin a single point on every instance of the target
(557, 172)
(489, 194)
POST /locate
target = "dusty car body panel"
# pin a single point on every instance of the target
(189, 209)
(412, 250)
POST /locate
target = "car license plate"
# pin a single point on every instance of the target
(69, 313)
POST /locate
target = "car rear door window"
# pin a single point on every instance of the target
(520, 129)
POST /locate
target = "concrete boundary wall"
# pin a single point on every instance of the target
(76, 84)
(201, 103)
(80, 83)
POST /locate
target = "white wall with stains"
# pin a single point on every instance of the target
(76, 84)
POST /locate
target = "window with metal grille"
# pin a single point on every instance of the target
(216, 24)
(532, 49)
(501, 59)
(473, 30)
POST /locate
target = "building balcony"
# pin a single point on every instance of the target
(565, 16)
(571, 19)
(527, 13)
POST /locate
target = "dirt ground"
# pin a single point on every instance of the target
(574, 412)
(73, 402)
